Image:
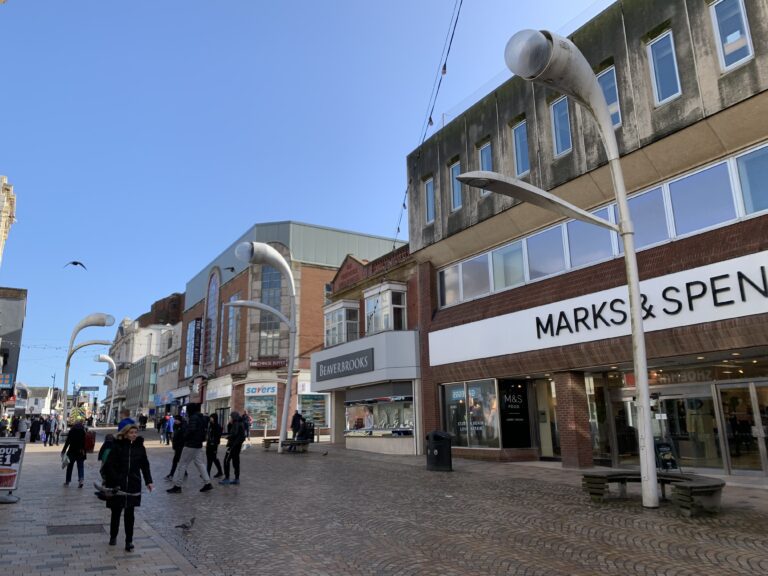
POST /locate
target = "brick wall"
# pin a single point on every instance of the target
(573, 420)
(311, 302)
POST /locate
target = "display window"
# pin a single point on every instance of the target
(263, 411)
(472, 413)
(381, 417)
(314, 407)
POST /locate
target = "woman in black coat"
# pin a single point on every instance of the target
(74, 447)
(126, 464)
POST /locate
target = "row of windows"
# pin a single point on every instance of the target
(734, 48)
(710, 197)
(385, 309)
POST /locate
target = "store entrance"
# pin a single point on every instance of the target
(745, 419)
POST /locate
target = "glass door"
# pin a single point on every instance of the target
(744, 414)
(689, 422)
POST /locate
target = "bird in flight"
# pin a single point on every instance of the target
(75, 263)
(230, 268)
(187, 525)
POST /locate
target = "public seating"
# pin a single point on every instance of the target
(267, 442)
(295, 445)
(691, 493)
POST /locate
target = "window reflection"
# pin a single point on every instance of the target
(545, 253)
(589, 243)
(753, 174)
(702, 199)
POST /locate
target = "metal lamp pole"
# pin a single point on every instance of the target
(96, 319)
(260, 253)
(108, 359)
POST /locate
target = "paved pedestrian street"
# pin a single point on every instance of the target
(354, 513)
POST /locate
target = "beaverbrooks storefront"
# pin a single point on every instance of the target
(707, 340)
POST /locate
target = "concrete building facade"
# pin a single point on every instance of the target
(7, 212)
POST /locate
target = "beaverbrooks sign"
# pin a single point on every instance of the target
(347, 365)
(728, 289)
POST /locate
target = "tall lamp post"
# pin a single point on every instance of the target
(554, 61)
(113, 379)
(96, 319)
(260, 253)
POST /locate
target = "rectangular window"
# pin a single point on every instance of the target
(649, 219)
(189, 353)
(486, 160)
(734, 44)
(702, 199)
(233, 331)
(429, 201)
(269, 324)
(520, 144)
(385, 310)
(341, 325)
(545, 253)
(753, 175)
(448, 281)
(455, 170)
(607, 81)
(588, 243)
(561, 126)
(508, 266)
(666, 83)
(475, 278)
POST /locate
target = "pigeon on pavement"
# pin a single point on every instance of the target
(187, 525)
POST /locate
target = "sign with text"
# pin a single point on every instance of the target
(347, 365)
(515, 419)
(11, 457)
(261, 390)
(6, 387)
(720, 291)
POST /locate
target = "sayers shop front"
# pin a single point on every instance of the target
(707, 338)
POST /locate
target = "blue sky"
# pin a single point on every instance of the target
(143, 137)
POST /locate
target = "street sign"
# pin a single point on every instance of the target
(89, 388)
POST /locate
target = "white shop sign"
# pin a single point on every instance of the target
(728, 289)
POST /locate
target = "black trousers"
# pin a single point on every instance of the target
(212, 458)
(176, 457)
(232, 456)
(114, 523)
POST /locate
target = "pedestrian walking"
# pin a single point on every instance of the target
(247, 421)
(59, 427)
(126, 464)
(23, 427)
(212, 445)
(53, 424)
(74, 448)
(170, 428)
(295, 424)
(34, 430)
(235, 439)
(192, 453)
(178, 445)
(125, 419)
(4, 426)
(46, 435)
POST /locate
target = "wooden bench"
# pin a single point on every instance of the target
(297, 445)
(267, 442)
(692, 494)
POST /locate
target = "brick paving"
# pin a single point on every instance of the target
(352, 513)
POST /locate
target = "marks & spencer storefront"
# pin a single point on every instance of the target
(555, 380)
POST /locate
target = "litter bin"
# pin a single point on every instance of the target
(90, 441)
(439, 451)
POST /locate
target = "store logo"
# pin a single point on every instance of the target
(264, 390)
(347, 365)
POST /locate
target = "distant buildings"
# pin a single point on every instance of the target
(7, 212)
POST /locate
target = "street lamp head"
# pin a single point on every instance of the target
(527, 54)
(261, 253)
(97, 319)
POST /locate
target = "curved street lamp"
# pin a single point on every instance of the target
(261, 253)
(96, 319)
(113, 379)
(549, 59)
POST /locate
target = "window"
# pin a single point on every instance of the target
(429, 200)
(561, 126)
(475, 277)
(649, 219)
(455, 170)
(702, 199)
(269, 324)
(734, 45)
(449, 286)
(189, 353)
(666, 84)
(588, 243)
(385, 308)
(211, 319)
(342, 323)
(753, 174)
(508, 266)
(486, 160)
(520, 144)
(607, 81)
(545, 253)
(471, 413)
(233, 331)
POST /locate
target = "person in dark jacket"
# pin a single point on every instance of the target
(126, 464)
(74, 448)
(178, 444)
(34, 430)
(197, 428)
(212, 445)
(235, 439)
(295, 424)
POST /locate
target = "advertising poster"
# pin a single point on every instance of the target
(11, 456)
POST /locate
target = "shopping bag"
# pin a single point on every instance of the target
(64, 460)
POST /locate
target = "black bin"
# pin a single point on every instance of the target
(439, 451)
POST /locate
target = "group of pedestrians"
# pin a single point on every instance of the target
(46, 429)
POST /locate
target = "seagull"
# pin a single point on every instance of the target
(230, 268)
(187, 525)
(76, 263)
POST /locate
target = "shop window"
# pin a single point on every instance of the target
(448, 281)
(520, 144)
(342, 323)
(508, 266)
(545, 253)
(429, 201)
(386, 417)
(753, 176)
(561, 126)
(472, 413)
(455, 401)
(314, 407)
(455, 170)
(734, 44)
(607, 81)
(665, 80)
(588, 243)
(385, 308)
(702, 199)
(486, 160)
(475, 277)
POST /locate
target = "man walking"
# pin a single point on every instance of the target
(193, 450)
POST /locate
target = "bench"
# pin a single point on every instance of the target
(692, 494)
(295, 445)
(267, 442)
